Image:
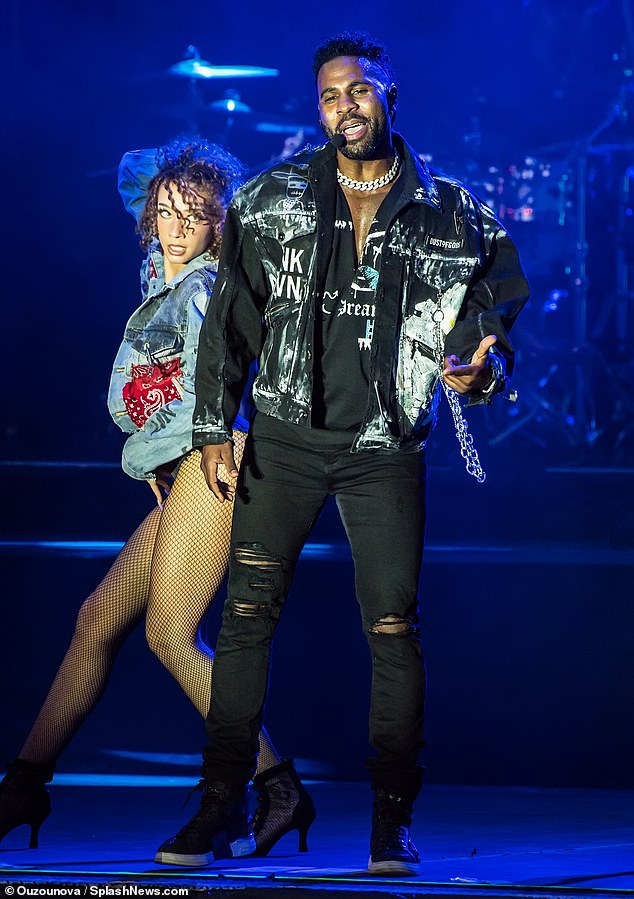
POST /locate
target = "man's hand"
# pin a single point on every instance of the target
(213, 456)
(473, 377)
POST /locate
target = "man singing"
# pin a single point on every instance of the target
(359, 282)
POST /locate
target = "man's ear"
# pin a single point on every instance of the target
(392, 100)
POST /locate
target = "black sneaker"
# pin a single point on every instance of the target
(219, 829)
(391, 849)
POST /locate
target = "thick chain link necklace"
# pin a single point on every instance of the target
(371, 185)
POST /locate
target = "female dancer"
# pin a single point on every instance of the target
(181, 548)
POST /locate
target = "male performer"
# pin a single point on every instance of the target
(349, 272)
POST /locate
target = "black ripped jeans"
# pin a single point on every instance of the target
(286, 476)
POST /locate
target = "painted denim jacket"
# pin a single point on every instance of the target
(166, 326)
(445, 257)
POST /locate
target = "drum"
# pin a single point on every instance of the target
(534, 200)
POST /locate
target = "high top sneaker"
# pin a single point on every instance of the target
(391, 849)
(219, 829)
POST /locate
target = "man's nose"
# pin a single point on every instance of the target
(345, 104)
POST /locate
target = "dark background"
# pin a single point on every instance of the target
(530, 657)
(480, 85)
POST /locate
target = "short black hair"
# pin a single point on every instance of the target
(353, 43)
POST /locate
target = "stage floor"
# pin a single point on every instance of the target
(476, 841)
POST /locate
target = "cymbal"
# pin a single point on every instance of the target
(199, 68)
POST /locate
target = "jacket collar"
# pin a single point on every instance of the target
(157, 284)
(417, 184)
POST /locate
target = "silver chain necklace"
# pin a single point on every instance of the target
(371, 185)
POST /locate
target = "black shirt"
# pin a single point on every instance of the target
(345, 321)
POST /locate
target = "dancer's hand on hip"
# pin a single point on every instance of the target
(160, 487)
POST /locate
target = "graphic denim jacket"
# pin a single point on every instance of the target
(166, 326)
(445, 257)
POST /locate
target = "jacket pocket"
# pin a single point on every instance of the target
(287, 221)
(156, 344)
(434, 276)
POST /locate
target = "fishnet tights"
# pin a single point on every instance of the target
(168, 571)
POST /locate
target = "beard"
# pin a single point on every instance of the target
(368, 147)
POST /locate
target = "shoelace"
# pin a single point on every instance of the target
(208, 814)
(199, 786)
(203, 813)
(394, 836)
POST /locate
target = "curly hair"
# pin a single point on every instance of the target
(353, 43)
(196, 169)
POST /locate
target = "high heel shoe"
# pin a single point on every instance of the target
(24, 799)
(283, 805)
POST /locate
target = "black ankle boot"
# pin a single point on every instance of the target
(391, 849)
(283, 805)
(24, 799)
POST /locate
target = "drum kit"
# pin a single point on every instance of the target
(229, 112)
(570, 210)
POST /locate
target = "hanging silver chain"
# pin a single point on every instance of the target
(467, 448)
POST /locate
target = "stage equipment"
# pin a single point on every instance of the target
(192, 66)
(570, 208)
(231, 104)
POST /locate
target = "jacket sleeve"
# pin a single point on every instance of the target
(495, 296)
(136, 170)
(232, 334)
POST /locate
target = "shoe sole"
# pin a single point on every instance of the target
(393, 866)
(239, 848)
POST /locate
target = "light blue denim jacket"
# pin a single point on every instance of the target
(164, 327)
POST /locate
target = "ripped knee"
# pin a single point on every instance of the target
(243, 608)
(257, 571)
(256, 555)
(394, 626)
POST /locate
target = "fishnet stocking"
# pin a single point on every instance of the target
(169, 570)
(191, 558)
(104, 621)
